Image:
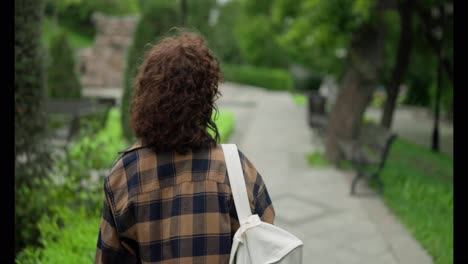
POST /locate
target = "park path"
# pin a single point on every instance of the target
(313, 203)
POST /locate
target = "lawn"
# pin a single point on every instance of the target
(225, 124)
(316, 159)
(299, 99)
(419, 190)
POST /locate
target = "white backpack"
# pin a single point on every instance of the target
(256, 242)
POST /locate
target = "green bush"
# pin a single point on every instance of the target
(69, 236)
(68, 187)
(62, 79)
(271, 79)
(157, 18)
(98, 150)
(77, 39)
(69, 210)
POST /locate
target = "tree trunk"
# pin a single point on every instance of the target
(32, 154)
(430, 23)
(435, 131)
(183, 6)
(357, 87)
(401, 64)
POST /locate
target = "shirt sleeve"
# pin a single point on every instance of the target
(259, 197)
(110, 249)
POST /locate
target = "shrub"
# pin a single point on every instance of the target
(62, 79)
(69, 236)
(158, 17)
(68, 208)
(268, 78)
(77, 39)
(32, 154)
(98, 150)
(58, 198)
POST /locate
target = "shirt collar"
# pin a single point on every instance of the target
(135, 146)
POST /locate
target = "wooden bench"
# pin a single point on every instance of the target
(76, 109)
(368, 153)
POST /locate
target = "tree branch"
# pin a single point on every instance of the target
(433, 42)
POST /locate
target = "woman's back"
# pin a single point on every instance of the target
(166, 207)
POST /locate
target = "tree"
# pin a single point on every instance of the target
(62, 79)
(32, 155)
(439, 31)
(76, 15)
(357, 87)
(257, 36)
(344, 38)
(223, 41)
(405, 9)
(157, 19)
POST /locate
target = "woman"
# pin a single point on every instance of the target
(167, 197)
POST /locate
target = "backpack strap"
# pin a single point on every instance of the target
(236, 179)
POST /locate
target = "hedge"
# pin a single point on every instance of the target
(268, 78)
(62, 79)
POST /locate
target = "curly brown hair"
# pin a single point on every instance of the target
(174, 96)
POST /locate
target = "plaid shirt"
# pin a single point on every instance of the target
(172, 208)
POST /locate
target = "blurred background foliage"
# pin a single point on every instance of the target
(269, 34)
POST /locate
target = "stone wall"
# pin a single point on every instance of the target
(103, 64)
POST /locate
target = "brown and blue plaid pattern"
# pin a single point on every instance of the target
(171, 208)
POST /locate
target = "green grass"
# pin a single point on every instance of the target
(299, 99)
(69, 237)
(316, 159)
(419, 190)
(76, 39)
(225, 124)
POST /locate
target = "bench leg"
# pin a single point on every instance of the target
(376, 177)
(359, 176)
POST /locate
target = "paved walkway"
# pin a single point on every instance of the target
(416, 124)
(313, 203)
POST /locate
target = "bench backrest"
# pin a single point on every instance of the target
(377, 140)
(76, 109)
